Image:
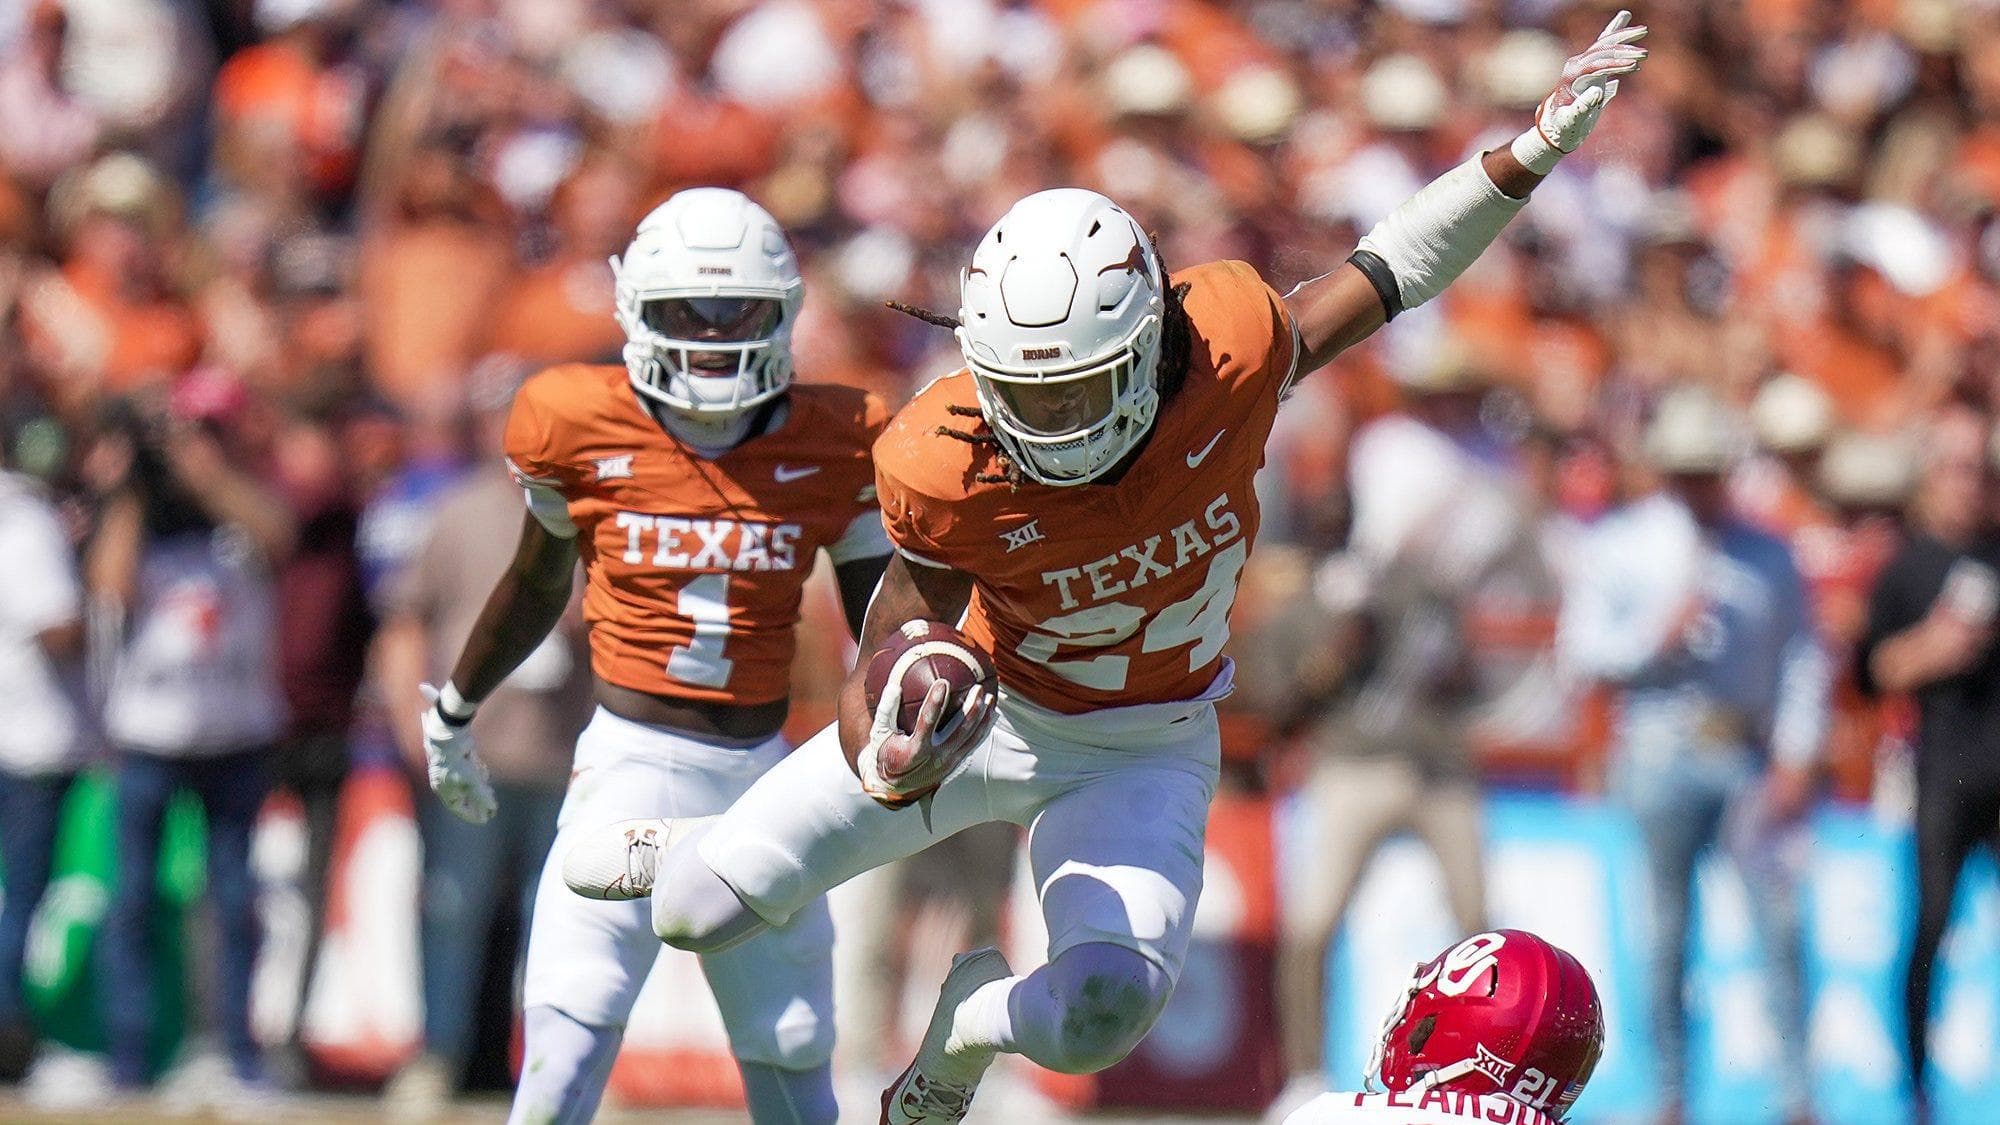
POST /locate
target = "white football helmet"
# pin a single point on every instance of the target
(707, 294)
(1059, 319)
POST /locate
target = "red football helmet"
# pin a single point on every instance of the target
(1499, 1013)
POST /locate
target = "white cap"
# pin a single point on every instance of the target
(776, 54)
(1863, 470)
(1521, 68)
(1814, 150)
(1403, 93)
(274, 16)
(1692, 431)
(1257, 103)
(1791, 414)
(1900, 244)
(1147, 79)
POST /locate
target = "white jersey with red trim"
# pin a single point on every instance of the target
(1410, 1107)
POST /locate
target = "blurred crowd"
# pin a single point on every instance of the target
(268, 269)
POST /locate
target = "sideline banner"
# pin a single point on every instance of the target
(60, 974)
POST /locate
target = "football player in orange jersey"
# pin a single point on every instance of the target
(1082, 493)
(696, 483)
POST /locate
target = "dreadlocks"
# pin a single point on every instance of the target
(1176, 353)
(1010, 473)
(925, 315)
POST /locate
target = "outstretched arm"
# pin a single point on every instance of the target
(1428, 241)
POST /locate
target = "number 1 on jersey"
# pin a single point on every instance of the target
(704, 601)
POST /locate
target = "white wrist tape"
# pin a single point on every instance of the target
(1429, 240)
(453, 704)
(1535, 152)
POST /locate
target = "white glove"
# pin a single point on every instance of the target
(457, 777)
(1589, 82)
(896, 768)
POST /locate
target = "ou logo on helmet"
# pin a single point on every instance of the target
(1465, 963)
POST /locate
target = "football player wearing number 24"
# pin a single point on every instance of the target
(695, 483)
(1081, 493)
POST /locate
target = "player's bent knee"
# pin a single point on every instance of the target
(691, 932)
(685, 931)
(1109, 998)
(693, 909)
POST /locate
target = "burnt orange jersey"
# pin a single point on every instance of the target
(695, 567)
(1105, 595)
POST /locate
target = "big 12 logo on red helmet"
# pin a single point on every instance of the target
(1503, 1012)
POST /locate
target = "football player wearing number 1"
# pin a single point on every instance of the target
(696, 484)
(1082, 494)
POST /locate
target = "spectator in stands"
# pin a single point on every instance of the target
(45, 735)
(1836, 544)
(53, 129)
(472, 871)
(1701, 623)
(322, 650)
(431, 268)
(110, 319)
(291, 105)
(1865, 480)
(1372, 662)
(554, 313)
(1930, 634)
(184, 558)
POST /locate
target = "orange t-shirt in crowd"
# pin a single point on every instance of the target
(1107, 595)
(559, 312)
(320, 109)
(427, 291)
(711, 141)
(1863, 377)
(127, 342)
(694, 567)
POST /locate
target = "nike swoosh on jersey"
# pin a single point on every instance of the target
(786, 474)
(1194, 460)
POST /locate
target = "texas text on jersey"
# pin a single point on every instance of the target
(1106, 596)
(1417, 1107)
(696, 566)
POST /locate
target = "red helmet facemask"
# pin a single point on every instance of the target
(1499, 1013)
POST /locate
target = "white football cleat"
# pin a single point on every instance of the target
(618, 862)
(916, 1098)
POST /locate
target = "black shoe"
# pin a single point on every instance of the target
(17, 1050)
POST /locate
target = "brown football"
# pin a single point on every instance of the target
(927, 651)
